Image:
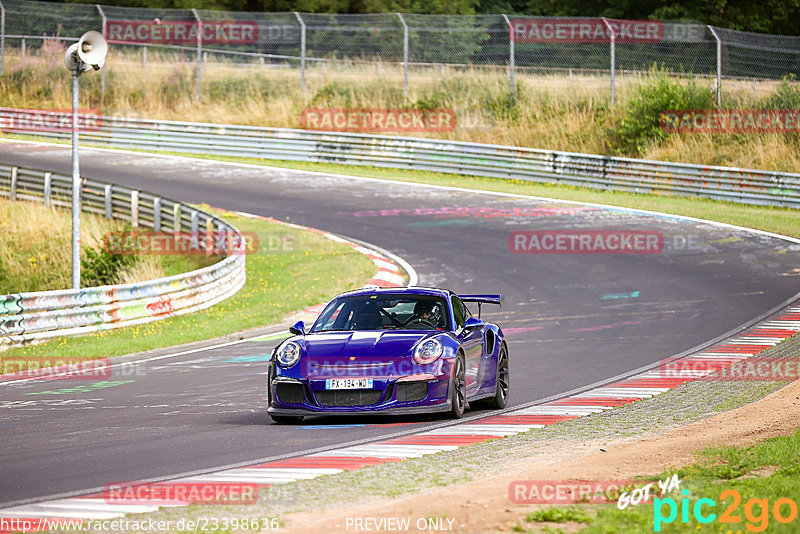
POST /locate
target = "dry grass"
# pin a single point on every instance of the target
(36, 253)
(553, 111)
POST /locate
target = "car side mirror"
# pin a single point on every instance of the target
(298, 328)
(472, 323)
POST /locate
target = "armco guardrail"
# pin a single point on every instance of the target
(28, 317)
(547, 166)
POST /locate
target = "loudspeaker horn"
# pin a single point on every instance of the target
(92, 49)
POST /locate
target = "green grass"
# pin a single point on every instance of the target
(558, 515)
(304, 270)
(765, 471)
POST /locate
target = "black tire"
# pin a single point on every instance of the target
(287, 419)
(500, 398)
(458, 393)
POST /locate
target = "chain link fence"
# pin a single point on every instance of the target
(397, 49)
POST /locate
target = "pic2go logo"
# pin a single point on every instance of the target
(756, 511)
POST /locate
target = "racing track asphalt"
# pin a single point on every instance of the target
(571, 319)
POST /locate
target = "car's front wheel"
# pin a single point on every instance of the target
(458, 393)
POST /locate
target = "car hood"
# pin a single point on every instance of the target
(360, 347)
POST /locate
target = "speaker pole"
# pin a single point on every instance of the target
(76, 186)
(88, 53)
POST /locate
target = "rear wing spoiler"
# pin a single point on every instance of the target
(487, 299)
(483, 299)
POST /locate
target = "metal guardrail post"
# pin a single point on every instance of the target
(176, 217)
(135, 208)
(107, 201)
(195, 228)
(511, 53)
(613, 39)
(302, 50)
(2, 39)
(199, 51)
(48, 179)
(208, 237)
(157, 214)
(405, 54)
(719, 64)
(13, 193)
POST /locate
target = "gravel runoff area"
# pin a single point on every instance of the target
(665, 416)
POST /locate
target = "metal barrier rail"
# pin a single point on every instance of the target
(36, 316)
(455, 157)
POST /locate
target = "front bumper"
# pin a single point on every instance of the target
(421, 393)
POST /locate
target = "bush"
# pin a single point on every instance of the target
(100, 267)
(640, 126)
(176, 85)
(787, 96)
(499, 104)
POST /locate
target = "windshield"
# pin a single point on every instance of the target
(384, 312)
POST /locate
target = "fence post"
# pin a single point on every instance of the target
(144, 57)
(613, 40)
(302, 50)
(199, 51)
(719, 65)
(103, 70)
(510, 53)
(2, 39)
(405, 54)
(22, 48)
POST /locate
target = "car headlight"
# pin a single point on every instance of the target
(288, 354)
(428, 351)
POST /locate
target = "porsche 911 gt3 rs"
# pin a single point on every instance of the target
(390, 351)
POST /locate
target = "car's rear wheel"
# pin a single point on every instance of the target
(500, 398)
(287, 419)
(458, 393)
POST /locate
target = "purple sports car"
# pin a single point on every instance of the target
(393, 351)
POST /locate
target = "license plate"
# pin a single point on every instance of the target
(348, 383)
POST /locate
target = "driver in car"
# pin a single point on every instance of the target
(423, 314)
